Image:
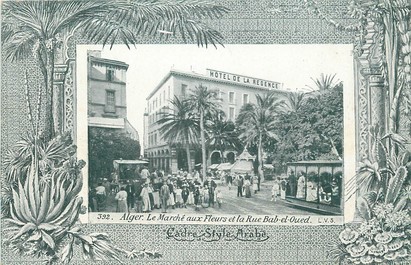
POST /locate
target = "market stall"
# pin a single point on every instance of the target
(316, 184)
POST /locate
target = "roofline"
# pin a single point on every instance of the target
(108, 61)
(206, 78)
(165, 78)
(316, 162)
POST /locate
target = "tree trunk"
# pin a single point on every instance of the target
(392, 57)
(203, 147)
(49, 122)
(260, 157)
(189, 166)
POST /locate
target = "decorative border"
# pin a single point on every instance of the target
(277, 21)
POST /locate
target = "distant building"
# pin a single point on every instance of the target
(234, 90)
(107, 105)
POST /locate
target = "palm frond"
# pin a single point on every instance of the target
(178, 124)
(106, 22)
(294, 101)
(19, 45)
(178, 9)
(325, 82)
(204, 100)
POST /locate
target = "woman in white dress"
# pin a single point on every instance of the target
(311, 191)
(254, 180)
(301, 187)
(146, 198)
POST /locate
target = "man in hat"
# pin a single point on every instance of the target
(164, 196)
(131, 194)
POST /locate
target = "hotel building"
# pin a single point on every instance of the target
(234, 91)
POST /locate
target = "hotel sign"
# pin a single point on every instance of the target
(243, 79)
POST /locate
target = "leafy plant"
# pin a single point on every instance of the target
(44, 207)
(384, 172)
(383, 199)
(41, 202)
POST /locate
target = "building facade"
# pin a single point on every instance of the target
(234, 92)
(107, 99)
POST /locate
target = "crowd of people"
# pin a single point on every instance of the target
(324, 188)
(155, 190)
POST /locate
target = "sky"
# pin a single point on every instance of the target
(292, 65)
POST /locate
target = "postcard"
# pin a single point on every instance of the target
(221, 132)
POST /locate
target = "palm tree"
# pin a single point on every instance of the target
(36, 28)
(257, 122)
(223, 134)
(324, 83)
(180, 127)
(204, 102)
(294, 101)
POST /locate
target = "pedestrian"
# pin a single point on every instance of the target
(191, 189)
(254, 181)
(171, 198)
(185, 193)
(131, 193)
(275, 190)
(146, 198)
(145, 173)
(197, 198)
(205, 197)
(335, 195)
(211, 197)
(179, 198)
(292, 180)
(121, 198)
(151, 195)
(301, 187)
(283, 185)
(247, 188)
(164, 196)
(101, 197)
(106, 185)
(219, 198)
(240, 184)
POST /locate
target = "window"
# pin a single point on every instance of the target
(231, 97)
(231, 113)
(183, 90)
(110, 101)
(219, 94)
(110, 74)
(245, 99)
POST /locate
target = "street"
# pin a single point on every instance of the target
(258, 204)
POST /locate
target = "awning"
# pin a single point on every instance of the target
(213, 166)
(242, 166)
(225, 166)
(245, 155)
(130, 162)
